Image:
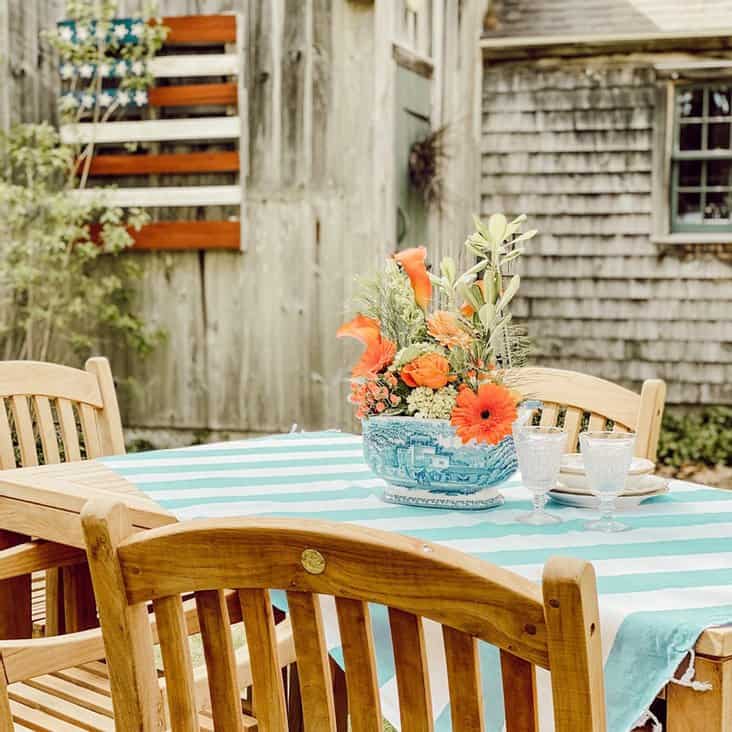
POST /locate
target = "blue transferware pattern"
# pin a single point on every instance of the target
(424, 463)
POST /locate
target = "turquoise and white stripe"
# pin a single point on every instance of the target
(660, 584)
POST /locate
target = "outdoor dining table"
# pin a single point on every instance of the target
(665, 586)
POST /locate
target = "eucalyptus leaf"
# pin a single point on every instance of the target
(497, 227)
(486, 315)
(509, 293)
(448, 269)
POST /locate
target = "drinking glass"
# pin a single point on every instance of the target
(539, 451)
(607, 457)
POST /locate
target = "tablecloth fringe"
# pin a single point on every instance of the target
(649, 716)
(688, 677)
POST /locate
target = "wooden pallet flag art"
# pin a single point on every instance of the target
(173, 147)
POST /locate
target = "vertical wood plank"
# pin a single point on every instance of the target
(69, 432)
(220, 663)
(54, 590)
(7, 451)
(179, 687)
(47, 430)
(24, 430)
(519, 694)
(88, 419)
(358, 653)
(269, 696)
(573, 634)
(410, 661)
(572, 422)
(316, 685)
(463, 678)
(549, 415)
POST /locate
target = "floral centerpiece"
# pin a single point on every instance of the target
(433, 384)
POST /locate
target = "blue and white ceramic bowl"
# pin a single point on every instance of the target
(424, 463)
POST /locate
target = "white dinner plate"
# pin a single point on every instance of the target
(623, 503)
(572, 463)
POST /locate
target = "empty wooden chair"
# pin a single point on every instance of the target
(51, 414)
(555, 627)
(59, 683)
(581, 397)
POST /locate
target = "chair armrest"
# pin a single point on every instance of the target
(35, 555)
(24, 659)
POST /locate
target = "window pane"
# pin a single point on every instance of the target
(719, 101)
(690, 173)
(716, 209)
(690, 137)
(689, 208)
(690, 102)
(717, 173)
(718, 136)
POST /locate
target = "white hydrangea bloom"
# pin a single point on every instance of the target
(140, 98)
(67, 71)
(121, 68)
(87, 101)
(104, 69)
(86, 71)
(120, 30)
(66, 33)
(105, 99)
(82, 33)
(137, 67)
(123, 98)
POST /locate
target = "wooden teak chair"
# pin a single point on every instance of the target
(59, 683)
(556, 627)
(580, 395)
(50, 414)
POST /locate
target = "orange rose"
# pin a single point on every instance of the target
(430, 370)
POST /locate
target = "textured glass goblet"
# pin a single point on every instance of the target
(539, 451)
(607, 457)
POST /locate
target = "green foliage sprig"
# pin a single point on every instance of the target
(57, 300)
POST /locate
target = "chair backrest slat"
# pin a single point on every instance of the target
(269, 693)
(357, 641)
(519, 694)
(579, 394)
(419, 584)
(69, 433)
(572, 424)
(89, 429)
(47, 429)
(55, 409)
(313, 666)
(7, 451)
(24, 429)
(410, 662)
(218, 650)
(596, 423)
(174, 648)
(463, 679)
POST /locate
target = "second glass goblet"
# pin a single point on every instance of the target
(607, 457)
(539, 451)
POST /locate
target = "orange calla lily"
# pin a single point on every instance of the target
(412, 262)
(379, 351)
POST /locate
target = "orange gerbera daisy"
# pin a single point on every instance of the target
(412, 262)
(379, 351)
(486, 416)
(445, 328)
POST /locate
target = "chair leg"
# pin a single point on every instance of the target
(340, 696)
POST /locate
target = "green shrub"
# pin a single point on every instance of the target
(700, 437)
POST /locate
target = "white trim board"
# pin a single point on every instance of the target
(204, 64)
(153, 130)
(165, 196)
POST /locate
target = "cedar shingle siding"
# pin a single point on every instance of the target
(570, 143)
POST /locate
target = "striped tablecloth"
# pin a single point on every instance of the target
(660, 584)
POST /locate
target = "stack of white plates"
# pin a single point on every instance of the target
(573, 488)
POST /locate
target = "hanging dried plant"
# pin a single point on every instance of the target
(427, 158)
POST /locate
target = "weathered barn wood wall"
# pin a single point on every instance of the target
(570, 143)
(251, 341)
